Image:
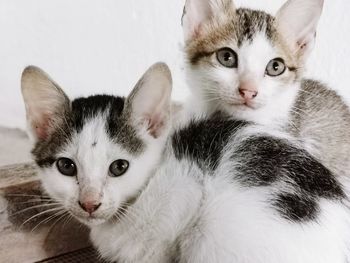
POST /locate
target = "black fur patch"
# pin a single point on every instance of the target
(266, 160)
(83, 110)
(200, 55)
(296, 207)
(251, 22)
(203, 141)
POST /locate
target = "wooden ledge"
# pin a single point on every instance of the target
(29, 232)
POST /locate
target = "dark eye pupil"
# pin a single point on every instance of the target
(120, 165)
(275, 65)
(227, 56)
(68, 165)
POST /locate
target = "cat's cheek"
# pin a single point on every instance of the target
(112, 194)
(223, 82)
(58, 186)
(279, 89)
(206, 80)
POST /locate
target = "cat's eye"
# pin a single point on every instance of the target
(227, 57)
(66, 167)
(118, 167)
(275, 67)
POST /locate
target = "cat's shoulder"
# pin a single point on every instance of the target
(314, 92)
(202, 139)
(316, 88)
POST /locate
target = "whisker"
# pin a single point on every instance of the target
(33, 207)
(69, 218)
(56, 222)
(39, 214)
(31, 195)
(48, 219)
(35, 200)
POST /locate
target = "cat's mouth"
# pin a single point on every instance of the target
(90, 220)
(95, 219)
(242, 104)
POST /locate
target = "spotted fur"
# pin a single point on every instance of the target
(203, 141)
(82, 111)
(306, 109)
(212, 190)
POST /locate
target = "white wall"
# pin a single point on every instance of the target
(93, 46)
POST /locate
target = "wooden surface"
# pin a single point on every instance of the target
(28, 231)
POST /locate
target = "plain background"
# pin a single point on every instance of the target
(94, 46)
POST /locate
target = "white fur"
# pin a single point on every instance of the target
(93, 174)
(93, 151)
(209, 218)
(149, 231)
(217, 88)
(214, 219)
(180, 212)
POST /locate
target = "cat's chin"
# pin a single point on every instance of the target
(239, 108)
(90, 221)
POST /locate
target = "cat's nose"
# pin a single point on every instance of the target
(248, 94)
(89, 207)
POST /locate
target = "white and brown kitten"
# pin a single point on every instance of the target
(250, 65)
(214, 190)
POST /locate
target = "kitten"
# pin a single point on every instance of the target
(213, 190)
(249, 64)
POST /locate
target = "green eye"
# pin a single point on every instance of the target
(66, 167)
(275, 67)
(227, 57)
(118, 167)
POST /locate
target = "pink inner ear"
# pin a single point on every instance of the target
(197, 31)
(155, 126)
(42, 129)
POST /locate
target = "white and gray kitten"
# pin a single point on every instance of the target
(249, 64)
(214, 190)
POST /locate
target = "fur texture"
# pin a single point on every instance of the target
(94, 132)
(240, 193)
(304, 108)
(266, 201)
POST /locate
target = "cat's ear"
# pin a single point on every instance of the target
(197, 13)
(45, 102)
(297, 22)
(149, 104)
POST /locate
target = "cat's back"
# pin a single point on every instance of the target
(321, 119)
(202, 140)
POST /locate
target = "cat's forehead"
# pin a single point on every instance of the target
(109, 115)
(236, 29)
(90, 121)
(252, 23)
(85, 109)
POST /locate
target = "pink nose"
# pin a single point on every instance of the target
(248, 94)
(89, 207)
